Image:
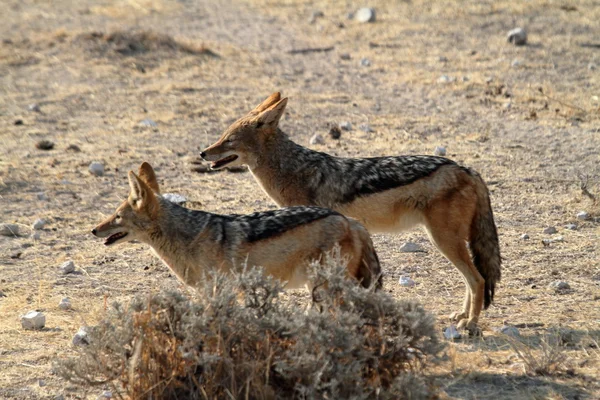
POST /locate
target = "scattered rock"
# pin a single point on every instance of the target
(517, 36)
(10, 230)
(67, 267)
(445, 79)
(18, 122)
(509, 331)
(64, 304)
(59, 397)
(465, 79)
(36, 236)
(317, 139)
(365, 15)
(335, 132)
(96, 168)
(443, 59)
(148, 123)
(107, 394)
(405, 281)
(559, 285)
(365, 62)
(571, 227)
(411, 247)
(38, 224)
(366, 128)
(44, 145)
(315, 15)
(74, 148)
(345, 56)
(16, 254)
(42, 383)
(42, 196)
(592, 66)
(2, 294)
(81, 338)
(550, 230)
(524, 236)
(515, 63)
(451, 333)
(174, 198)
(34, 107)
(548, 242)
(346, 126)
(33, 320)
(439, 151)
(583, 216)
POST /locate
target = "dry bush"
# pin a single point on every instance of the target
(242, 340)
(549, 358)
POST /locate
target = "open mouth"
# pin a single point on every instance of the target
(113, 238)
(223, 162)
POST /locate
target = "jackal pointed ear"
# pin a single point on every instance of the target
(146, 173)
(272, 99)
(272, 115)
(140, 195)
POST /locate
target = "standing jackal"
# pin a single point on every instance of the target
(283, 242)
(386, 194)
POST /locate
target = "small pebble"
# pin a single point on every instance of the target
(42, 196)
(42, 383)
(517, 36)
(38, 224)
(10, 230)
(81, 337)
(44, 145)
(345, 56)
(36, 236)
(67, 267)
(439, 151)
(559, 285)
(346, 126)
(148, 123)
(34, 107)
(405, 281)
(443, 59)
(365, 62)
(64, 304)
(74, 148)
(451, 333)
(550, 230)
(33, 320)
(592, 66)
(465, 79)
(107, 394)
(18, 122)
(315, 15)
(524, 236)
(174, 198)
(582, 215)
(411, 247)
(335, 132)
(317, 139)
(365, 15)
(444, 79)
(96, 168)
(515, 63)
(365, 128)
(571, 227)
(509, 331)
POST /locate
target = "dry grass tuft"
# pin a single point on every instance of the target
(241, 341)
(547, 359)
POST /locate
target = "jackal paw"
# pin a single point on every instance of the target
(470, 325)
(458, 316)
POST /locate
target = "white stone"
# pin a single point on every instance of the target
(509, 331)
(317, 139)
(515, 63)
(33, 320)
(405, 281)
(365, 15)
(582, 215)
(411, 247)
(148, 123)
(67, 267)
(560, 285)
(65, 304)
(365, 128)
(96, 168)
(517, 36)
(571, 227)
(525, 236)
(81, 337)
(107, 394)
(38, 224)
(445, 79)
(451, 333)
(10, 230)
(346, 126)
(174, 198)
(365, 62)
(439, 151)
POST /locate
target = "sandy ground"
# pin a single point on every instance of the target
(525, 117)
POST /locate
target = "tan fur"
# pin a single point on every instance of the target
(189, 243)
(451, 202)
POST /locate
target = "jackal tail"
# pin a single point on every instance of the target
(369, 271)
(484, 243)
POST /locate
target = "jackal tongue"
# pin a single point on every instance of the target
(113, 238)
(223, 161)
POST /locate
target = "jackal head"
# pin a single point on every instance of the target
(242, 142)
(135, 217)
